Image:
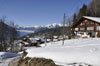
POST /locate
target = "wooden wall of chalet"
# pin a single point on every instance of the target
(83, 26)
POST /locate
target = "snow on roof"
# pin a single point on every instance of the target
(33, 39)
(96, 19)
(26, 43)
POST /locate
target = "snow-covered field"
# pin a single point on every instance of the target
(81, 51)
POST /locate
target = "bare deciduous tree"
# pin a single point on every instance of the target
(3, 35)
(7, 32)
(13, 36)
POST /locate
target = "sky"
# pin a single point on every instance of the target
(39, 12)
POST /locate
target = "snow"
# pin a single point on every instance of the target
(24, 30)
(82, 34)
(39, 26)
(26, 43)
(48, 39)
(6, 58)
(4, 55)
(34, 40)
(82, 51)
(97, 19)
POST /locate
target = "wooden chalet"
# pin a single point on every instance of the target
(88, 25)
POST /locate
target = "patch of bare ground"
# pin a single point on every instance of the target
(36, 62)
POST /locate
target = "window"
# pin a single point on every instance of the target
(81, 24)
(90, 28)
(98, 27)
(82, 28)
(85, 21)
(76, 29)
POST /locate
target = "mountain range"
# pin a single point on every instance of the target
(23, 30)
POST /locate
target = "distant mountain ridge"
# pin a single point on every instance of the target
(38, 27)
(23, 30)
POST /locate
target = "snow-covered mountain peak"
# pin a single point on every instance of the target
(31, 29)
(54, 25)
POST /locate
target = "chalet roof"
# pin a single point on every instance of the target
(96, 19)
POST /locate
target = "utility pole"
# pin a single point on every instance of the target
(63, 32)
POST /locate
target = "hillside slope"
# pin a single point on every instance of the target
(75, 52)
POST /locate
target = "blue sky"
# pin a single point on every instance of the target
(39, 12)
